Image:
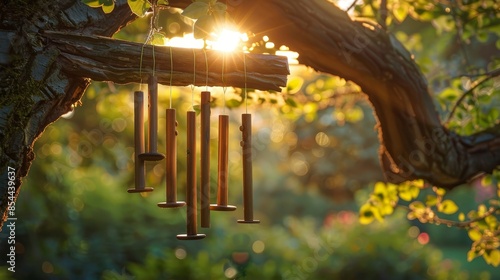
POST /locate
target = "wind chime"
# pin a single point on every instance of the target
(170, 156)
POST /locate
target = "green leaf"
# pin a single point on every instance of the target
(401, 11)
(291, 102)
(197, 109)
(139, 7)
(220, 8)
(203, 27)
(417, 205)
(92, 3)
(471, 255)
(491, 221)
(196, 10)
(233, 103)
(158, 39)
(440, 191)
(294, 84)
(431, 200)
(486, 180)
(461, 217)
(448, 207)
(405, 194)
(495, 258)
(474, 234)
(108, 6)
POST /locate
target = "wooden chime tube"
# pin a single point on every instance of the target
(246, 144)
(222, 170)
(191, 224)
(140, 172)
(205, 159)
(152, 153)
(171, 162)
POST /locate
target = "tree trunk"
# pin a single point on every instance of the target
(36, 89)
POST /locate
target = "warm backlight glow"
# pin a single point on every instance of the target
(226, 41)
(344, 4)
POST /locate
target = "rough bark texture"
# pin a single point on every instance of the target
(36, 89)
(103, 59)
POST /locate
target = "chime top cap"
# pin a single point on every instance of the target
(134, 190)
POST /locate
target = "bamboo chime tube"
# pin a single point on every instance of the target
(140, 171)
(246, 144)
(191, 224)
(205, 159)
(152, 154)
(222, 174)
(171, 162)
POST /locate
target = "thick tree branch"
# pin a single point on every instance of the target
(103, 59)
(414, 143)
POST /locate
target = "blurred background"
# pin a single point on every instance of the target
(315, 162)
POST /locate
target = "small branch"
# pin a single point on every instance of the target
(492, 74)
(383, 14)
(352, 5)
(466, 224)
(459, 34)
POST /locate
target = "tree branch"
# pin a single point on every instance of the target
(105, 59)
(488, 77)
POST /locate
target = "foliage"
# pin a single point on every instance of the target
(209, 16)
(302, 249)
(482, 224)
(138, 7)
(456, 45)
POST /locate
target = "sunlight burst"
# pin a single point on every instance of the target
(227, 40)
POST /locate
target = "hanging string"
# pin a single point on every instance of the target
(194, 80)
(154, 61)
(245, 89)
(152, 29)
(206, 70)
(224, 88)
(171, 75)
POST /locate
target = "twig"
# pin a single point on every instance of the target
(383, 14)
(352, 5)
(466, 224)
(492, 74)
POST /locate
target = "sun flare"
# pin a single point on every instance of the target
(226, 41)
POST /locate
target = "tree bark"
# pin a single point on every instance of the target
(36, 88)
(103, 59)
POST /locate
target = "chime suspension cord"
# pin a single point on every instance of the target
(206, 70)
(224, 88)
(194, 80)
(171, 75)
(245, 89)
(148, 39)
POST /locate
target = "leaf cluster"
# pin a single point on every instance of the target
(209, 15)
(138, 7)
(482, 224)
